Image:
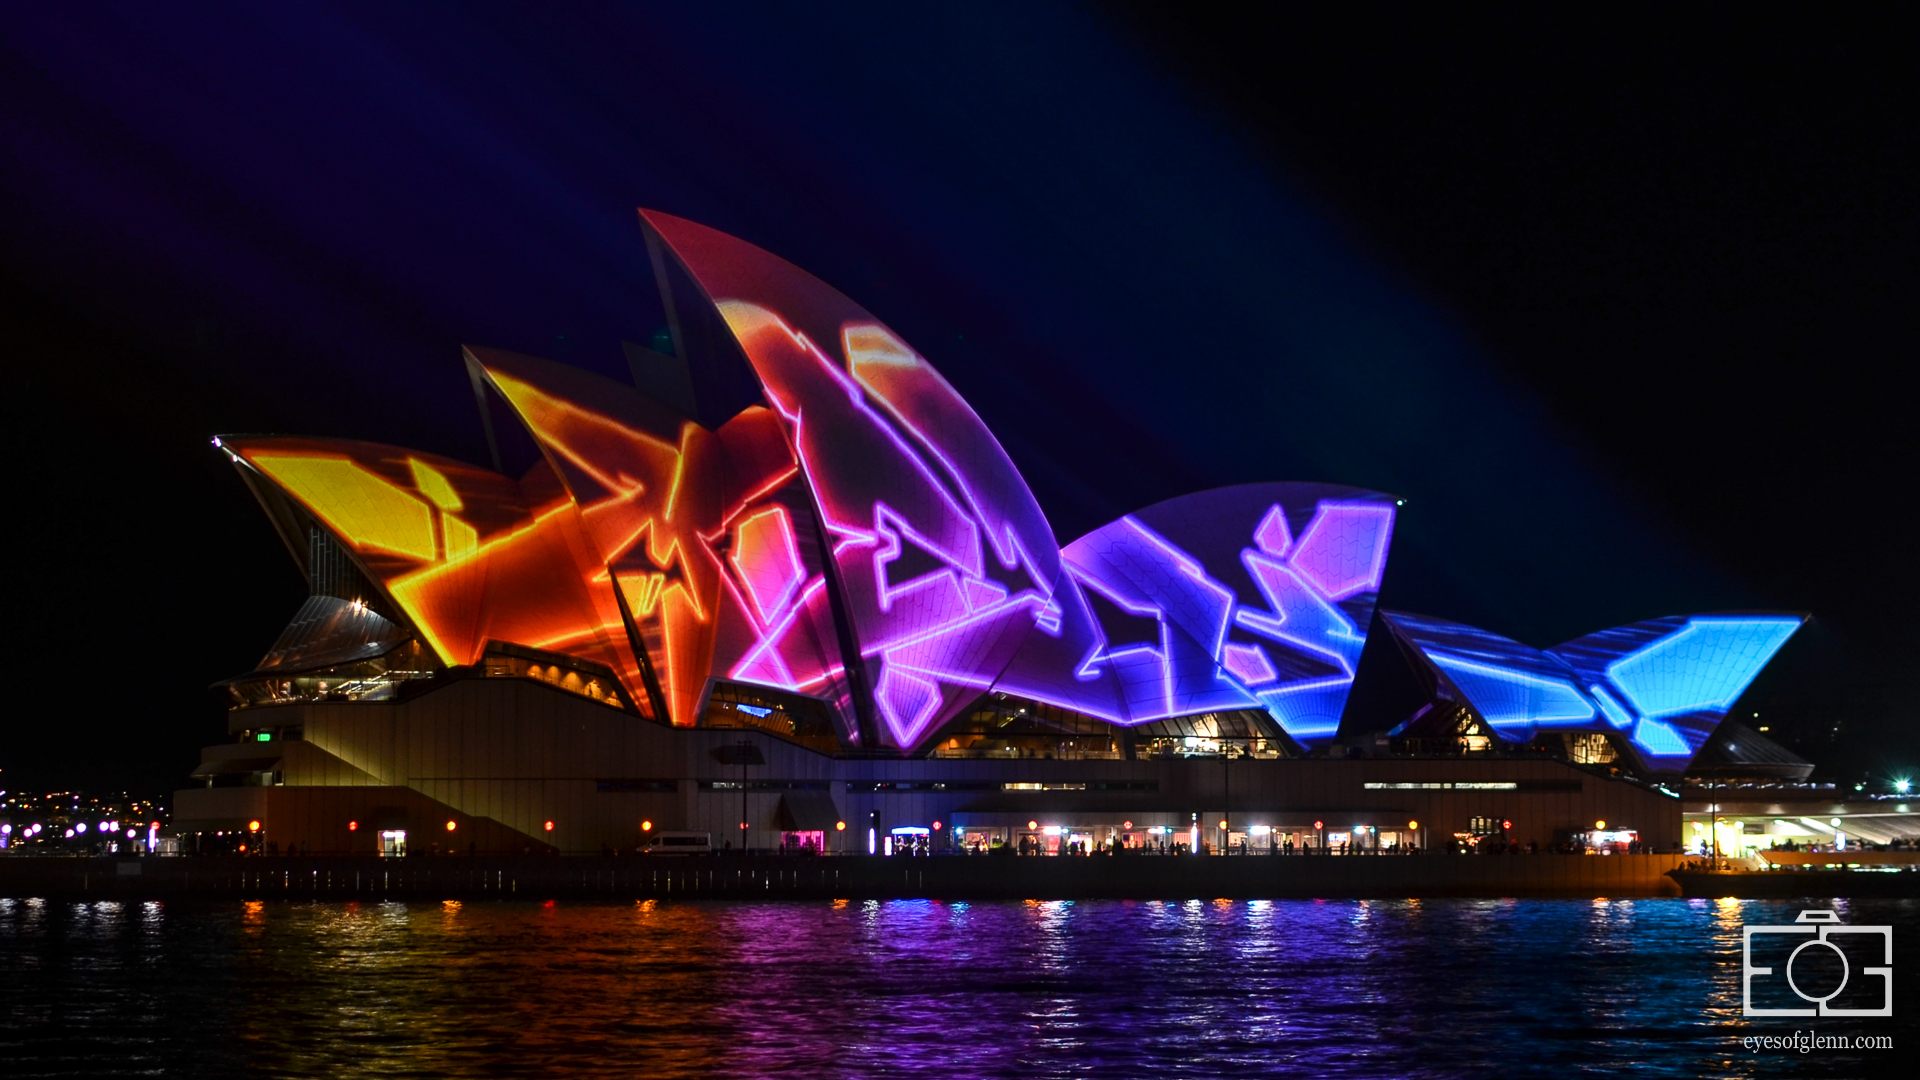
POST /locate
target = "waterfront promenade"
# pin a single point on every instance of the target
(842, 877)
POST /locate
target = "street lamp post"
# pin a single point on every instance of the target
(1226, 795)
(743, 754)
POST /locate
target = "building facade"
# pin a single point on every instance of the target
(785, 588)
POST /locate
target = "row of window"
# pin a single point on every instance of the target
(879, 787)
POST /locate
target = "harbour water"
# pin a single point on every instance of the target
(1350, 988)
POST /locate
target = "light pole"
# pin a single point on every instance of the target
(1713, 817)
(743, 754)
(1226, 795)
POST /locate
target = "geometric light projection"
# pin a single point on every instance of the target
(703, 533)
(467, 555)
(1703, 665)
(941, 558)
(856, 535)
(1209, 602)
(1506, 697)
(1516, 688)
(1672, 680)
(1664, 683)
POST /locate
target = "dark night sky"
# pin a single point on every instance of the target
(1620, 308)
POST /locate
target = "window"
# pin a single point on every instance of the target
(575, 677)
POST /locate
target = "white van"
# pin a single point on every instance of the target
(677, 843)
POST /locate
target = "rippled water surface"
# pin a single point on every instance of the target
(904, 988)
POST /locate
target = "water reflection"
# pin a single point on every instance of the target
(860, 988)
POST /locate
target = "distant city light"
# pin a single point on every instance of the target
(253, 826)
(1599, 824)
(353, 826)
(645, 826)
(450, 826)
(80, 827)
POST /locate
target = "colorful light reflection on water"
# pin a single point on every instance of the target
(856, 988)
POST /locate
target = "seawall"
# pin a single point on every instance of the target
(841, 877)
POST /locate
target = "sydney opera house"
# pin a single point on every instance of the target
(786, 589)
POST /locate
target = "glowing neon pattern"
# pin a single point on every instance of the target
(942, 558)
(861, 538)
(467, 555)
(1676, 676)
(1666, 682)
(1244, 615)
